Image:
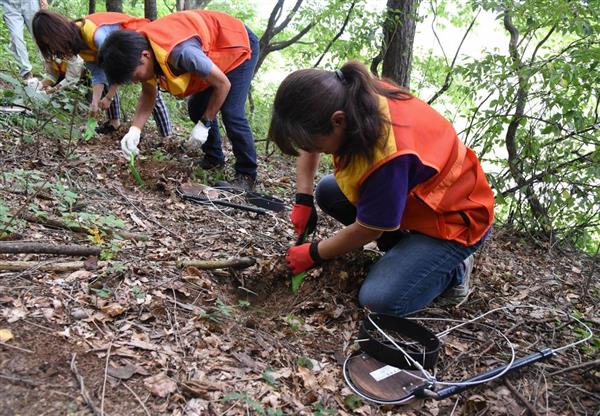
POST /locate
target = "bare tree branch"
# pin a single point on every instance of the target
(448, 80)
(337, 35)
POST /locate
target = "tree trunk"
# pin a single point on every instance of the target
(399, 35)
(150, 11)
(92, 7)
(114, 6)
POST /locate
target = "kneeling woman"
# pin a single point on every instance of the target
(402, 178)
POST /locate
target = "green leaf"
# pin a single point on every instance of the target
(103, 293)
(352, 401)
(134, 171)
(90, 129)
(304, 362)
(267, 375)
(297, 281)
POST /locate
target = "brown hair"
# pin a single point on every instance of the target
(306, 100)
(56, 36)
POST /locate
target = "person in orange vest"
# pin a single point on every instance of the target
(402, 178)
(60, 38)
(205, 55)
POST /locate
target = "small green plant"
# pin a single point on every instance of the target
(111, 251)
(104, 292)
(294, 322)
(158, 155)
(65, 197)
(8, 223)
(321, 410)
(90, 128)
(304, 362)
(134, 171)
(138, 293)
(251, 404)
(115, 267)
(352, 401)
(267, 375)
(223, 308)
(243, 303)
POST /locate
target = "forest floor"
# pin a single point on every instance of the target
(140, 336)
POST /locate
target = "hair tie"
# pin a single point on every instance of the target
(340, 75)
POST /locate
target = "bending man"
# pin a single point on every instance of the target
(207, 55)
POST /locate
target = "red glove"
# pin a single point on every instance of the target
(303, 257)
(304, 215)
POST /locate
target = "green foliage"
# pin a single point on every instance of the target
(352, 401)
(321, 410)
(90, 129)
(267, 375)
(304, 362)
(556, 152)
(250, 403)
(134, 171)
(8, 223)
(103, 292)
(294, 322)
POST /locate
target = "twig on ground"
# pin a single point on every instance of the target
(82, 390)
(15, 347)
(235, 263)
(177, 236)
(576, 367)
(18, 247)
(521, 398)
(48, 267)
(137, 398)
(105, 377)
(55, 223)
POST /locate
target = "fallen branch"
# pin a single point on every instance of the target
(521, 398)
(46, 267)
(55, 223)
(592, 363)
(234, 263)
(47, 248)
(82, 390)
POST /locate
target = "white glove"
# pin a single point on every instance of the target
(129, 142)
(199, 134)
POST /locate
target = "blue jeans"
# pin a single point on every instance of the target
(412, 273)
(233, 113)
(17, 14)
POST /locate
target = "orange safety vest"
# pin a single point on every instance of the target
(91, 23)
(224, 40)
(59, 68)
(456, 203)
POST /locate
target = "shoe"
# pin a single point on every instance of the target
(243, 182)
(105, 128)
(210, 164)
(457, 293)
(240, 182)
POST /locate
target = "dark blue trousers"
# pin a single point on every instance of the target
(233, 113)
(415, 268)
